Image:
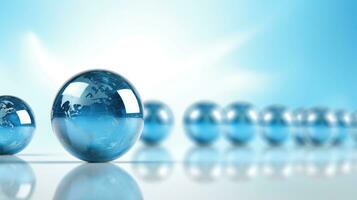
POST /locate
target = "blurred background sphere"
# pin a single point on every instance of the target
(203, 122)
(299, 126)
(17, 125)
(97, 181)
(321, 125)
(159, 121)
(97, 116)
(344, 123)
(276, 123)
(240, 123)
(18, 180)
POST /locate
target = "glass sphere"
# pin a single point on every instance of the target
(17, 125)
(240, 123)
(97, 116)
(344, 122)
(159, 120)
(276, 123)
(202, 122)
(98, 181)
(299, 126)
(321, 125)
(18, 180)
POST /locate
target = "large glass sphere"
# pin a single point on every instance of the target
(98, 181)
(299, 126)
(203, 122)
(321, 125)
(17, 125)
(97, 116)
(344, 122)
(276, 122)
(159, 120)
(240, 123)
(17, 180)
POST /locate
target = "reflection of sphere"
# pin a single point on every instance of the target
(241, 164)
(344, 121)
(276, 122)
(17, 125)
(17, 178)
(153, 163)
(277, 163)
(203, 164)
(97, 116)
(240, 123)
(321, 124)
(98, 181)
(158, 122)
(299, 126)
(320, 163)
(203, 122)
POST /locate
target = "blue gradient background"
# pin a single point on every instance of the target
(298, 53)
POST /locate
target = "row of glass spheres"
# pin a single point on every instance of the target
(240, 122)
(98, 116)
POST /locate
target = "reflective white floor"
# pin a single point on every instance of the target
(204, 173)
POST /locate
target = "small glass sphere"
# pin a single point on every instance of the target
(276, 123)
(203, 122)
(17, 125)
(353, 126)
(240, 123)
(97, 181)
(18, 180)
(299, 126)
(159, 120)
(344, 122)
(321, 125)
(97, 116)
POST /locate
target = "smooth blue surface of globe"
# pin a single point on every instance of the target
(97, 116)
(17, 125)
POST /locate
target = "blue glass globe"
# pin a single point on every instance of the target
(203, 122)
(276, 123)
(240, 123)
(97, 116)
(18, 180)
(344, 123)
(17, 125)
(299, 126)
(98, 181)
(159, 120)
(321, 125)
